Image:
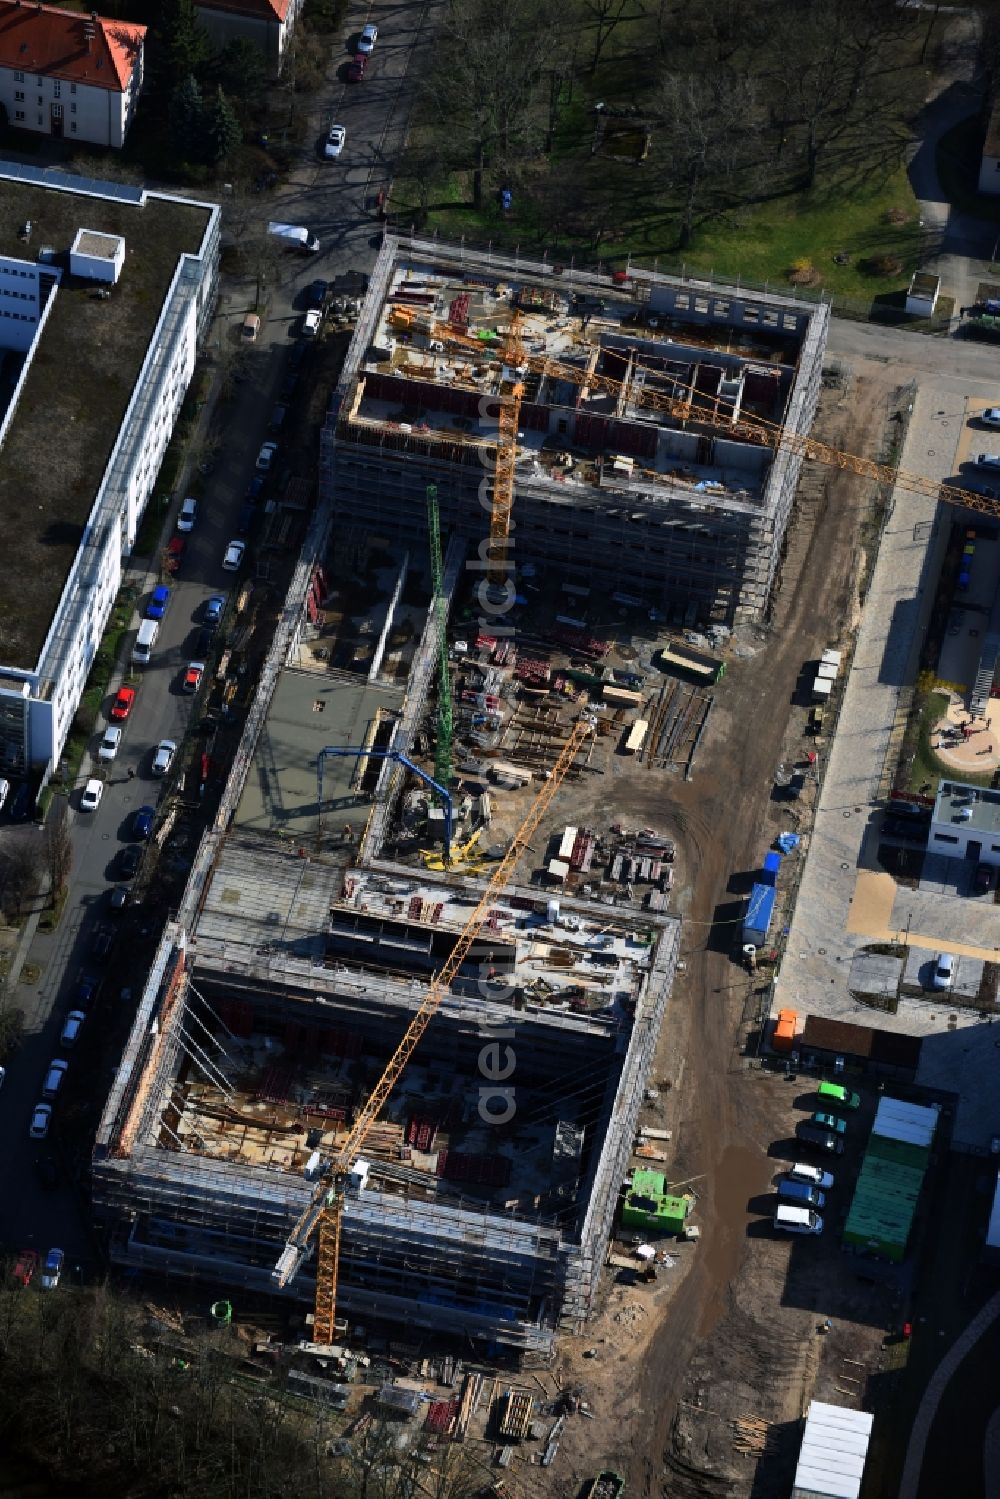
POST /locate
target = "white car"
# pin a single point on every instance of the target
(990, 417)
(110, 743)
(944, 971)
(4, 791)
(233, 560)
(92, 793)
(311, 323)
(188, 515)
(367, 39)
(335, 141)
(41, 1118)
(164, 757)
(266, 456)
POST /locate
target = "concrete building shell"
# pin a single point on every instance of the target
(688, 515)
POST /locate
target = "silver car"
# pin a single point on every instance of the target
(164, 757)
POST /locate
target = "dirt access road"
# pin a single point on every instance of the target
(705, 1339)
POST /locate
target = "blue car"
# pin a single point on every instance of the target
(214, 608)
(255, 488)
(86, 988)
(142, 822)
(159, 599)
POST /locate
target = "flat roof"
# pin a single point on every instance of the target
(833, 1451)
(77, 390)
(967, 807)
(309, 712)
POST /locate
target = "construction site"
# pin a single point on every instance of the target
(633, 459)
(393, 1049)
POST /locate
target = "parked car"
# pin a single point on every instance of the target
(71, 1029)
(142, 822)
(317, 294)
(801, 1192)
(233, 560)
(812, 1175)
(367, 39)
(356, 68)
(831, 1122)
(86, 988)
(41, 1118)
(188, 515)
(122, 705)
(91, 797)
(129, 859)
(943, 975)
(110, 743)
(266, 456)
(25, 1266)
(982, 879)
(101, 944)
(821, 1139)
(837, 1095)
(118, 894)
(158, 601)
(335, 139)
(988, 461)
(245, 519)
(213, 608)
(193, 675)
(174, 553)
(250, 328)
(311, 323)
(277, 420)
(52, 1269)
(164, 757)
(990, 417)
(256, 486)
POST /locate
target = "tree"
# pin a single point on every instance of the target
(241, 72)
(707, 136)
(58, 846)
(20, 869)
(178, 47)
(221, 128)
(605, 17)
(187, 116)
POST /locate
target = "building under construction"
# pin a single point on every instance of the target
(633, 465)
(488, 1185)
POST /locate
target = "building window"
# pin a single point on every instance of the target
(19, 95)
(41, 119)
(56, 89)
(18, 77)
(72, 109)
(72, 88)
(41, 101)
(944, 838)
(72, 126)
(19, 114)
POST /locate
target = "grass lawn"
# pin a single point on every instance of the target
(762, 244)
(926, 766)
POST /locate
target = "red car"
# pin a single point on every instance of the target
(122, 705)
(193, 676)
(27, 1264)
(356, 68)
(175, 551)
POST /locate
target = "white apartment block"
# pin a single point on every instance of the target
(105, 294)
(67, 74)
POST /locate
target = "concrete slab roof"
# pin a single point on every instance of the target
(968, 807)
(308, 713)
(80, 382)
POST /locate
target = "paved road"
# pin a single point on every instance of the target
(334, 200)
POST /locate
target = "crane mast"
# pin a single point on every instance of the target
(445, 720)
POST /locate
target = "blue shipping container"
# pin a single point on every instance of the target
(760, 910)
(772, 863)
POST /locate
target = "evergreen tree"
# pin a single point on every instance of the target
(187, 118)
(222, 130)
(178, 47)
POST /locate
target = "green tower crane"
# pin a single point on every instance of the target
(442, 754)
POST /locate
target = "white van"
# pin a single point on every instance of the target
(798, 1221)
(4, 791)
(811, 1175)
(53, 1078)
(142, 651)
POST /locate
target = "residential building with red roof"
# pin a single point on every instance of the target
(69, 74)
(267, 23)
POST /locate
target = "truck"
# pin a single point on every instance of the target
(295, 237)
(759, 912)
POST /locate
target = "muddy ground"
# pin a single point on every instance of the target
(729, 1332)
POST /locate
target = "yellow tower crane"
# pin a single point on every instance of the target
(326, 1209)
